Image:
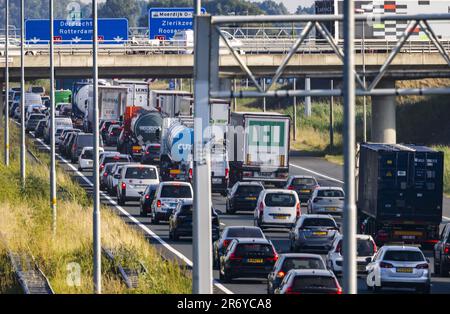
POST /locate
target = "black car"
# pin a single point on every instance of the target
(147, 198)
(112, 135)
(247, 258)
(66, 143)
(286, 262)
(151, 154)
(39, 129)
(313, 233)
(303, 185)
(180, 222)
(104, 173)
(442, 253)
(243, 196)
(229, 234)
(80, 141)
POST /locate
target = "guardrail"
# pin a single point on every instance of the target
(260, 46)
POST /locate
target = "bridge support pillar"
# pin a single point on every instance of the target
(383, 116)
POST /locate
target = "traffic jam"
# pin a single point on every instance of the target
(146, 139)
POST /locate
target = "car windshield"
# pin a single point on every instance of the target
(143, 173)
(318, 222)
(244, 249)
(302, 263)
(176, 191)
(403, 256)
(248, 190)
(244, 233)
(364, 247)
(303, 181)
(305, 282)
(280, 200)
(330, 193)
(59, 131)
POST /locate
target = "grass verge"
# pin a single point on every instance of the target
(446, 150)
(25, 222)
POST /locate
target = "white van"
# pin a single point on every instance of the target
(60, 123)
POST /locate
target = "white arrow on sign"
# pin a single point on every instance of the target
(76, 39)
(118, 39)
(34, 40)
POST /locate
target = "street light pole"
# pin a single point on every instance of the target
(96, 212)
(363, 54)
(295, 110)
(22, 97)
(52, 123)
(349, 226)
(6, 83)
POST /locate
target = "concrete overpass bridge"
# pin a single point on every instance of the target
(406, 65)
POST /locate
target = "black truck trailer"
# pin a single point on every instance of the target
(400, 191)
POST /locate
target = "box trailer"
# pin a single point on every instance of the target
(400, 192)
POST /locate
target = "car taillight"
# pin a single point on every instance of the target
(124, 186)
(190, 173)
(280, 274)
(105, 174)
(233, 257)
(447, 249)
(158, 203)
(227, 173)
(274, 258)
(261, 207)
(226, 243)
(147, 153)
(422, 266)
(375, 249)
(386, 265)
(147, 197)
(111, 133)
(289, 290)
(298, 209)
(339, 290)
(339, 248)
(291, 187)
(102, 166)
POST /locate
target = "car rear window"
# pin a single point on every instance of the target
(176, 191)
(305, 282)
(244, 249)
(280, 200)
(244, 233)
(113, 159)
(141, 173)
(88, 154)
(318, 222)
(37, 117)
(85, 140)
(302, 263)
(403, 256)
(303, 181)
(363, 247)
(330, 193)
(108, 167)
(115, 131)
(248, 190)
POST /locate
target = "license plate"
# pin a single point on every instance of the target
(320, 233)
(137, 148)
(254, 260)
(305, 191)
(250, 198)
(332, 209)
(175, 171)
(216, 180)
(406, 270)
(280, 217)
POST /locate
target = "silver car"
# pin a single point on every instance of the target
(399, 267)
(327, 200)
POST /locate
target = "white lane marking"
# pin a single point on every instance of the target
(137, 222)
(339, 181)
(317, 173)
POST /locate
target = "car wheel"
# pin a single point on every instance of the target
(437, 268)
(120, 200)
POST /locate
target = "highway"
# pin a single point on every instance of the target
(328, 174)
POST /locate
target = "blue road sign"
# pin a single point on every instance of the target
(172, 85)
(110, 31)
(165, 22)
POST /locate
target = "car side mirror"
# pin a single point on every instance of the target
(369, 259)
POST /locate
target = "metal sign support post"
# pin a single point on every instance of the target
(22, 97)
(6, 83)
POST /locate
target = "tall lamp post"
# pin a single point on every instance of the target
(363, 54)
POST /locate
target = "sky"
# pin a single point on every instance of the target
(291, 5)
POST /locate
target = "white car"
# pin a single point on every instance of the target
(365, 247)
(327, 200)
(133, 181)
(399, 266)
(277, 208)
(85, 160)
(113, 177)
(167, 197)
